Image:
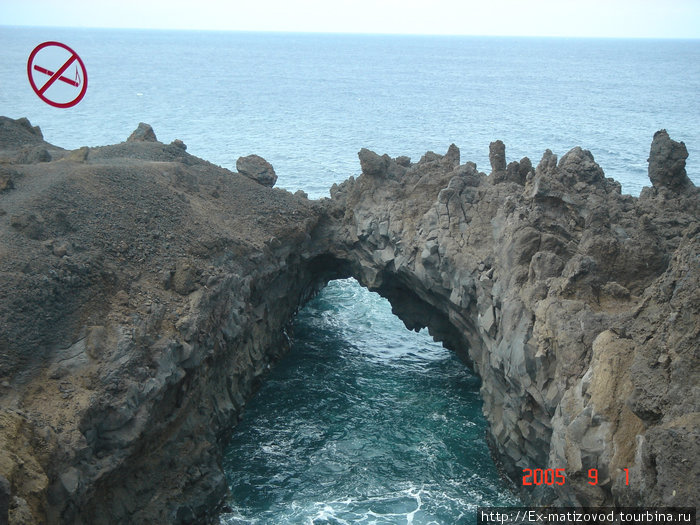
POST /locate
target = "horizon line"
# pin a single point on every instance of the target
(357, 33)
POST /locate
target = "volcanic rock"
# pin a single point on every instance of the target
(372, 164)
(667, 163)
(139, 313)
(573, 312)
(143, 133)
(256, 168)
(497, 156)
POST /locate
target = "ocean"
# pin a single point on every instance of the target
(364, 421)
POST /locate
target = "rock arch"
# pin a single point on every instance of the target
(543, 280)
(146, 292)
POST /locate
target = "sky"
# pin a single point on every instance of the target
(568, 18)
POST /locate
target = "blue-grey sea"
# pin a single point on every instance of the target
(364, 421)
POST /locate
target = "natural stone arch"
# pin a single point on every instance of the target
(537, 277)
(164, 285)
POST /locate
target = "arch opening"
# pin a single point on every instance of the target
(363, 417)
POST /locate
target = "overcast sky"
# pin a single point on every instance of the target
(588, 18)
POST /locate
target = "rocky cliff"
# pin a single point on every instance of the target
(577, 306)
(144, 293)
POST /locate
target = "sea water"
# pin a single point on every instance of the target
(364, 421)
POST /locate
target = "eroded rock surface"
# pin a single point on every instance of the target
(138, 312)
(577, 306)
(667, 163)
(144, 293)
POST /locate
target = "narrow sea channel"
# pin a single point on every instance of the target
(363, 422)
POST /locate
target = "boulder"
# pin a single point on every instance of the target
(667, 163)
(19, 132)
(143, 133)
(515, 172)
(257, 168)
(404, 161)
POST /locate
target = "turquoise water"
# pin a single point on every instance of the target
(364, 422)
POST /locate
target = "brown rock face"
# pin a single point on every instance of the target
(138, 313)
(372, 164)
(256, 168)
(667, 163)
(572, 310)
(497, 156)
(143, 133)
(144, 293)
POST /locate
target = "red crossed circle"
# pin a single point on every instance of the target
(56, 75)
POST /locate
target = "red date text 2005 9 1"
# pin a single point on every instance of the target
(551, 476)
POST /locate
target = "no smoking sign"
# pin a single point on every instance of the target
(57, 74)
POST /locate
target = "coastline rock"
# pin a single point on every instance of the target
(452, 156)
(258, 169)
(667, 163)
(143, 133)
(33, 155)
(157, 308)
(554, 293)
(179, 144)
(517, 172)
(19, 132)
(497, 157)
(403, 161)
(372, 164)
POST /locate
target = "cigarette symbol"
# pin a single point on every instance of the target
(74, 83)
(79, 80)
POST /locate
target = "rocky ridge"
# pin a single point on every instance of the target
(145, 293)
(577, 306)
